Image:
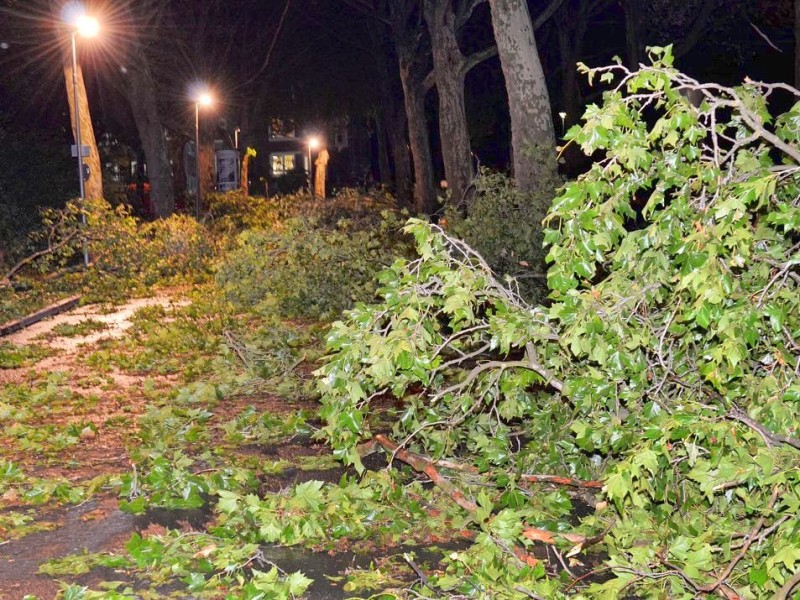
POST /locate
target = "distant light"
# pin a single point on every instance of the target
(87, 26)
(205, 99)
(313, 143)
(123, 69)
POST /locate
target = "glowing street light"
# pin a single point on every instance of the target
(313, 144)
(85, 26)
(204, 99)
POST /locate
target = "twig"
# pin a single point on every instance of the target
(765, 38)
(787, 588)
(769, 437)
(422, 465)
(750, 539)
(556, 480)
(423, 579)
(563, 562)
(237, 348)
(591, 573)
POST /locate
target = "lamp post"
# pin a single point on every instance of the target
(206, 100)
(88, 27)
(313, 144)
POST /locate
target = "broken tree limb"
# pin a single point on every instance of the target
(556, 480)
(422, 464)
(372, 446)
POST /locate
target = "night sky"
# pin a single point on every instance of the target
(314, 60)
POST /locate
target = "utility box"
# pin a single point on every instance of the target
(226, 166)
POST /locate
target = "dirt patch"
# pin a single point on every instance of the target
(116, 318)
(100, 410)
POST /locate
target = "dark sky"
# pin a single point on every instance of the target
(322, 60)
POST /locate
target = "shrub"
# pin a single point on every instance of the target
(667, 363)
(177, 246)
(312, 267)
(125, 253)
(505, 226)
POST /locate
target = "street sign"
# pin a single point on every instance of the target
(85, 150)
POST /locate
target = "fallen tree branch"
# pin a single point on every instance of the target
(787, 588)
(768, 436)
(748, 542)
(373, 445)
(50, 249)
(556, 480)
(238, 349)
(422, 464)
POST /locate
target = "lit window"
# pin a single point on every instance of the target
(280, 164)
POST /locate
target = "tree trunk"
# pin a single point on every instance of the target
(449, 67)
(141, 91)
(393, 118)
(571, 27)
(93, 187)
(244, 176)
(398, 142)
(634, 45)
(385, 174)
(407, 35)
(797, 43)
(419, 141)
(532, 137)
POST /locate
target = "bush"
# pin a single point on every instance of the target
(234, 212)
(667, 364)
(313, 266)
(177, 246)
(125, 253)
(505, 226)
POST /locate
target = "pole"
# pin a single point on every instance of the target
(78, 143)
(197, 158)
(310, 169)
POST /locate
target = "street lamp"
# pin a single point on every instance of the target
(88, 27)
(205, 99)
(313, 144)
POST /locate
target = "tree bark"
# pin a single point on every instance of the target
(398, 143)
(393, 120)
(244, 176)
(419, 141)
(634, 47)
(93, 187)
(384, 172)
(142, 94)
(406, 38)
(449, 67)
(532, 137)
(796, 43)
(571, 28)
